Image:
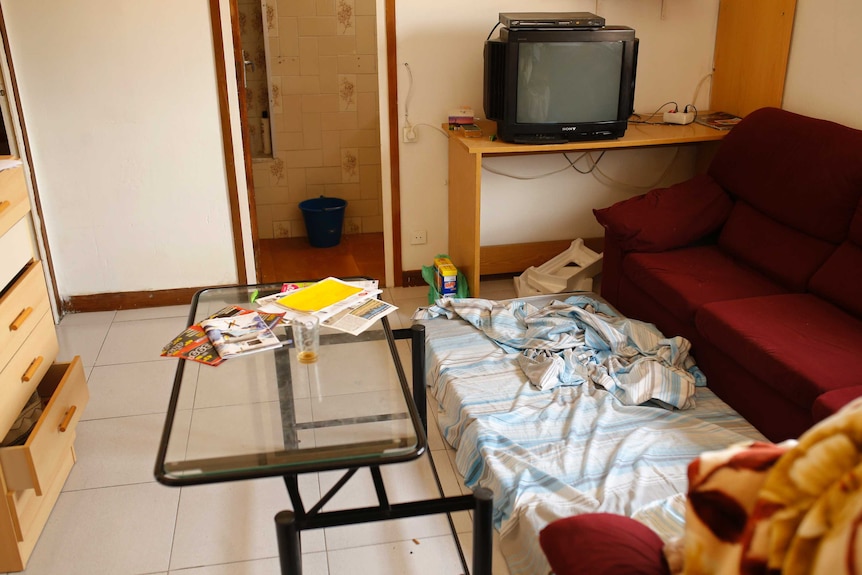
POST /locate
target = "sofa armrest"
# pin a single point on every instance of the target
(667, 218)
(832, 401)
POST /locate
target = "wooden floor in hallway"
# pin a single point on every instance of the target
(294, 259)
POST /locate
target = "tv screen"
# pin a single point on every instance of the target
(588, 91)
(548, 86)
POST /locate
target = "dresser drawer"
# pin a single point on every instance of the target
(16, 249)
(21, 308)
(19, 378)
(13, 198)
(35, 464)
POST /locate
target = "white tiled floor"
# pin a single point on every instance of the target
(113, 518)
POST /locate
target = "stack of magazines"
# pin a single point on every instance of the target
(348, 306)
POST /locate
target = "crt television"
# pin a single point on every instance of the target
(546, 86)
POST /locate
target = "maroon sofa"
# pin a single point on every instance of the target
(758, 263)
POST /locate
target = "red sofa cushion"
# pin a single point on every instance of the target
(667, 218)
(597, 543)
(839, 280)
(832, 401)
(783, 254)
(798, 344)
(802, 172)
(684, 280)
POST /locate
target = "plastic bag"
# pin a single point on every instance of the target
(428, 274)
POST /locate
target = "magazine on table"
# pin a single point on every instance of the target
(194, 344)
(718, 120)
(360, 316)
(240, 334)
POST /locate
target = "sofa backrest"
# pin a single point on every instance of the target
(839, 280)
(796, 182)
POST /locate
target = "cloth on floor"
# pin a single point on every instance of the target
(580, 339)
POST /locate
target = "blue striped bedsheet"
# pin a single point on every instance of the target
(567, 450)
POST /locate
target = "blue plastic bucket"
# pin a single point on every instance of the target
(324, 218)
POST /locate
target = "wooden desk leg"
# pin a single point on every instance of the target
(465, 184)
(289, 546)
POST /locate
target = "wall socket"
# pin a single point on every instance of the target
(418, 237)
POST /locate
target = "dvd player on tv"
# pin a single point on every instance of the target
(551, 20)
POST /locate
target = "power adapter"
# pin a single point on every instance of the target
(678, 117)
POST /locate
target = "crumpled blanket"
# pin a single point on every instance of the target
(583, 339)
(794, 508)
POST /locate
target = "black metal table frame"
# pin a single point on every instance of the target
(290, 523)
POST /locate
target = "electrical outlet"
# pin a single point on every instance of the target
(419, 237)
(409, 136)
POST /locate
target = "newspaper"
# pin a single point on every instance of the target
(352, 315)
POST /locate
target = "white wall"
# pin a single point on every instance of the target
(442, 42)
(823, 74)
(120, 104)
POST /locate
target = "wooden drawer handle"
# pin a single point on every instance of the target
(19, 321)
(31, 371)
(64, 425)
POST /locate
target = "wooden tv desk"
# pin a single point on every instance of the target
(465, 187)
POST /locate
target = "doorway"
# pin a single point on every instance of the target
(314, 130)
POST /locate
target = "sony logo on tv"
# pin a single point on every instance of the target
(569, 128)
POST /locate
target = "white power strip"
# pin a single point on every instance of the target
(678, 117)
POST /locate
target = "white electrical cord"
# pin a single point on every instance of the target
(697, 88)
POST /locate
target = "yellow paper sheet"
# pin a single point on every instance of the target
(318, 296)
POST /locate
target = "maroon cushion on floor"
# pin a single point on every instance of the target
(602, 543)
(684, 280)
(796, 343)
(667, 218)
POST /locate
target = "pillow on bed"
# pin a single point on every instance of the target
(667, 218)
(602, 543)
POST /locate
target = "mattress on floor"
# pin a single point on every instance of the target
(564, 451)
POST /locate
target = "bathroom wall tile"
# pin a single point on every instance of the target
(367, 83)
(319, 103)
(275, 94)
(357, 64)
(369, 155)
(270, 18)
(349, 164)
(365, 7)
(347, 191)
(303, 159)
(352, 226)
(346, 16)
(288, 36)
(300, 85)
(338, 121)
(325, 175)
(338, 45)
(328, 73)
(297, 7)
(281, 229)
(372, 224)
(366, 35)
(317, 26)
(291, 112)
(347, 94)
(311, 132)
(331, 141)
(326, 7)
(369, 188)
(308, 64)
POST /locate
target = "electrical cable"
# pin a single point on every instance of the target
(697, 88)
(492, 31)
(409, 95)
(654, 114)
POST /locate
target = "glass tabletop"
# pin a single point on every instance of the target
(266, 414)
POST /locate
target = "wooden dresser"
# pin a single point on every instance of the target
(33, 473)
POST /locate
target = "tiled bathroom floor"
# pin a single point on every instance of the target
(113, 518)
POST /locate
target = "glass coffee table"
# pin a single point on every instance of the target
(266, 414)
